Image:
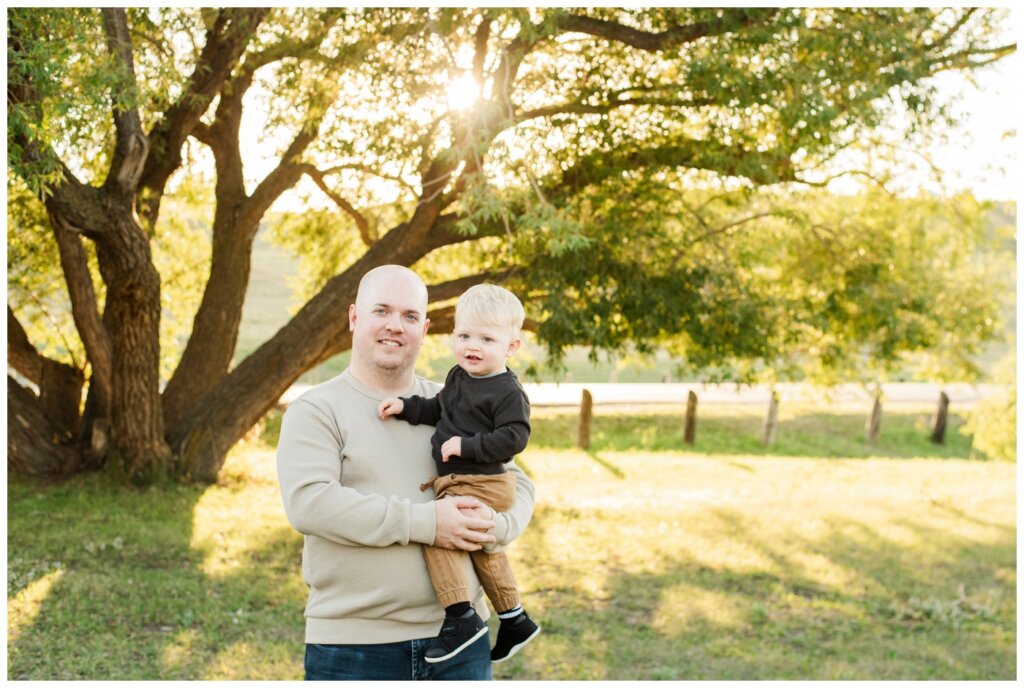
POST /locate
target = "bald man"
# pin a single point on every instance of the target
(351, 485)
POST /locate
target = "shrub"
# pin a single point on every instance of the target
(994, 421)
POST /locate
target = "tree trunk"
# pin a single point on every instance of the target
(35, 445)
(211, 345)
(132, 318)
(59, 384)
(318, 331)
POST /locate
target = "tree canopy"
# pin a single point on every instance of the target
(640, 176)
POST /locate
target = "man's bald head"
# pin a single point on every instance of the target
(384, 278)
(388, 322)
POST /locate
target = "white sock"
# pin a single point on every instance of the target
(511, 613)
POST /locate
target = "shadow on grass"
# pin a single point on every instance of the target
(904, 435)
(122, 592)
(606, 464)
(941, 611)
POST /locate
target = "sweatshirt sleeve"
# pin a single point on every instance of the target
(420, 410)
(510, 435)
(508, 525)
(316, 500)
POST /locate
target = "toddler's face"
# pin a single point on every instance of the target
(482, 349)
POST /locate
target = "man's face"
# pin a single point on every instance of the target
(388, 322)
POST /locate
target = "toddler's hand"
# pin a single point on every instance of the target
(451, 447)
(390, 407)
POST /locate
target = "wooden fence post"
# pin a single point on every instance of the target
(586, 413)
(690, 428)
(874, 425)
(771, 420)
(939, 428)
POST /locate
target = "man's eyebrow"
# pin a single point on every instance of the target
(388, 305)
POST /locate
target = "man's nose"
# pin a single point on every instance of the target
(395, 323)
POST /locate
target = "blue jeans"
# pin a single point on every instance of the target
(396, 662)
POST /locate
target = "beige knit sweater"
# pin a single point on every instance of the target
(350, 483)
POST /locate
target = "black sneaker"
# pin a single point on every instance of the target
(512, 635)
(456, 635)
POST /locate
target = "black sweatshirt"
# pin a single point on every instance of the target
(490, 414)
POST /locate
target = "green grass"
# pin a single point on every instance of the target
(171, 582)
(833, 560)
(663, 566)
(803, 430)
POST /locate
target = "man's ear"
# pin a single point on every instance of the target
(352, 318)
(426, 326)
(513, 346)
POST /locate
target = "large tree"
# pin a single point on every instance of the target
(555, 177)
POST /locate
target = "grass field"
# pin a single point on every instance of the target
(829, 559)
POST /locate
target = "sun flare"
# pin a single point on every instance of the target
(462, 92)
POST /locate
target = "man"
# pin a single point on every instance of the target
(351, 484)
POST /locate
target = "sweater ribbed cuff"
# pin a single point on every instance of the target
(500, 529)
(422, 523)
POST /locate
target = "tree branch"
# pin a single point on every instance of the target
(364, 227)
(289, 47)
(21, 355)
(85, 311)
(725, 228)
(131, 147)
(35, 445)
(453, 288)
(962, 59)
(881, 183)
(203, 133)
(281, 178)
(604, 108)
(442, 320)
(365, 169)
(483, 34)
(730, 20)
(225, 41)
(764, 168)
(60, 385)
(508, 68)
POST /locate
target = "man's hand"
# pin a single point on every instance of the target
(390, 407)
(451, 447)
(459, 524)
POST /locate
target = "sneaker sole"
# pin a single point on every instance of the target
(460, 648)
(516, 648)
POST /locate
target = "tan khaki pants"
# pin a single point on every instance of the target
(493, 569)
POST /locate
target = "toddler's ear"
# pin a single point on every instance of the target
(514, 346)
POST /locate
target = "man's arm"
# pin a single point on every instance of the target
(317, 503)
(508, 525)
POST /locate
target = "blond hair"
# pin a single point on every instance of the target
(489, 304)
